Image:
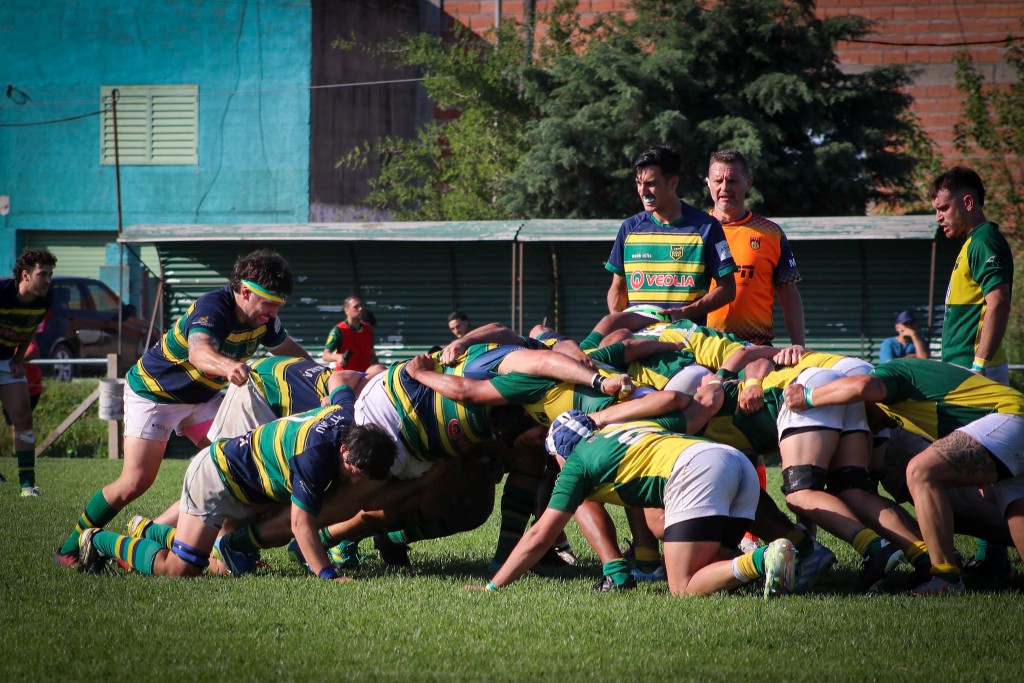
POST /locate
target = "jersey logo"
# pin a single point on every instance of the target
(755, 243)
(455, 430)
(637, 279)
(676, 252)
(993, 261)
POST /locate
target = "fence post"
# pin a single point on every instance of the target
(115, 428)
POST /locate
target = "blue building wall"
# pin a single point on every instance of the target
(251, 61)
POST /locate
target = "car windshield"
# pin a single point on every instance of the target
(103, 299)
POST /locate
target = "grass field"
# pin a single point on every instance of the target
(419, 624)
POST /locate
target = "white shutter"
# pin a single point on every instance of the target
(156, 125)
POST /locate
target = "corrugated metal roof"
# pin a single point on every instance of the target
(603, 230)
(457, 231)
(803, 228)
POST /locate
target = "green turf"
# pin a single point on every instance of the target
(420, 624)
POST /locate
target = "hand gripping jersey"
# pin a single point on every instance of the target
(290, 385)
(753, 434)
(764, 262)
(783, 376)
(294, 458)
(670, 265)
(984, 262)
(934, 399)
(164, 373)
(18, 321)
(623, 464)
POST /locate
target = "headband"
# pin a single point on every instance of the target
(265, 293)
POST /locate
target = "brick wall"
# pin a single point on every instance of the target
(916, 23)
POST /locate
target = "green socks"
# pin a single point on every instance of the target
(516, 508)
(98, 514)
(618, 570)
(137, 553)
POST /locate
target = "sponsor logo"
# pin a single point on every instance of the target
(755, 243)
(454, 429)
(676, 252)
(993, 261)
(746, 272)
(723, 250)
(202, 320)
(639, 279)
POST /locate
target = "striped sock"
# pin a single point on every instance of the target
(866, 542)
(160, 533)
(750, 566)
(137, 553)
(98, 513)
(917, 554)
(950, 573)
(516, 508)
(26, 467)
(647, 559)
(804, 543)
(246, 540)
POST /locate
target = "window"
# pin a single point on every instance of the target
(156, 125)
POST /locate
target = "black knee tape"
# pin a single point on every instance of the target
(190, 555)
(803, 478)
(846, 478)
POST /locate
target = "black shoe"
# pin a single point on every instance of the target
(876, 567)
(393, 554)
(988, 569)
(90, 561)
(559, 555)
(607, 584)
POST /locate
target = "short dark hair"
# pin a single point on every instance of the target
(266, 268)
(730, 156)
(458, 315)
(371, 450)
(665, 158)
(956, 179)
(30, 258)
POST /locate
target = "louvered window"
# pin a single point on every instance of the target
(156, 125)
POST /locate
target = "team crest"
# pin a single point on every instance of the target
(755, 243)
(676, 253)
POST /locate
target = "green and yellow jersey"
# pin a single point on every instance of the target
(753, 434)
(623, 464)
(934, 399)
(984, 262)
(290, 385)
(783, 375)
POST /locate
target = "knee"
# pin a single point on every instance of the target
(800, 481)
(918, 474)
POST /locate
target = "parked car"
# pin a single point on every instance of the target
(82, 323)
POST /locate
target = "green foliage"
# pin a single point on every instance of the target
(552, 133)
(419, 625)
(86, 438)
(992, 133)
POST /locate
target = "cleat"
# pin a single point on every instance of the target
(779, 568)
(30, 492)
(295, 554)
(607, 584)
(988, 569)
(65, 559)
(345, 555)
(642, 576)
(137, 526)
(393, 554)
(875, 568)
(237, 563)
(559, 555)
(90, 561)
(810, 569)
(937, 586)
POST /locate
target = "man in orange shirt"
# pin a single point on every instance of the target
(761, 252)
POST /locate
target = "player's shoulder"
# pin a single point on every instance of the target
(765, 226)
(636, 221)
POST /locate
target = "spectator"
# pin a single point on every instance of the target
(907, 341)
(458, 323)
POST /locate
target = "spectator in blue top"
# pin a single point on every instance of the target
(906, 343)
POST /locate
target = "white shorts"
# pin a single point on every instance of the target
(5, 374)
(843, 419)
(708, 480)
(243, 409)
(374, 407)
(204, 494)
(687, 380)
(1003, 436)
(851, 367)
(154, 421)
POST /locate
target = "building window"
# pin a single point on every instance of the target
(157, 125)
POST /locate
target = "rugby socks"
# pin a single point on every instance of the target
(950, 573)
(516, 508)
(137, 553)
(401, 537)
(98, 513)
(247, 540)
(160, 533)
(749, 566)
(993, 555)
(345, 554)
(866, 542)
(802, 541)
(591, 341)
(26, 467)
(618, 570)
(917, 555)
(646, 560)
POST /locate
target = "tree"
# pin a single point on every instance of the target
(552, 133)
(992, 133)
